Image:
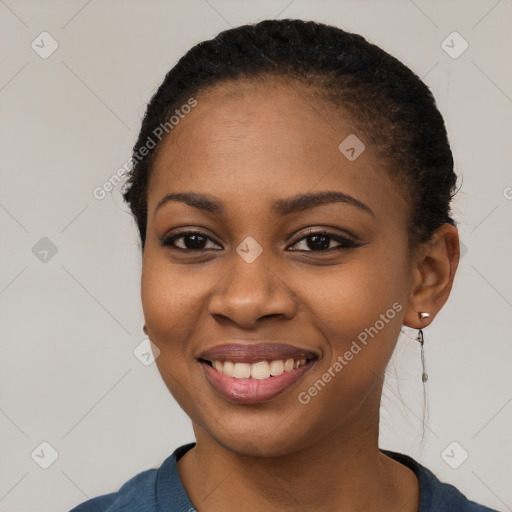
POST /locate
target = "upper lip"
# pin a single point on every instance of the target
(254, 352)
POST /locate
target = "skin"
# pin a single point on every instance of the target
(248, 145)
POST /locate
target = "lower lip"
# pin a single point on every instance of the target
(250, 391)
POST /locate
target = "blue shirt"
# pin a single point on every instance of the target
(161, 490)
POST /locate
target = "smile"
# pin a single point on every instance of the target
(259, 370)
(249, 383)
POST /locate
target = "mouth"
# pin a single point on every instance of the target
(259, 370)
(255, 373)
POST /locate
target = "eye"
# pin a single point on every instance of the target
(317, 241)
(192, 241)
(320, 241)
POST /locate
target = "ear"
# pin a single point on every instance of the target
(433, 270)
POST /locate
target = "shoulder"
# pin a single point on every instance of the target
(138, 493)
(151, 490)
(437, 496)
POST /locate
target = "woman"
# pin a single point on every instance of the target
(291, 184)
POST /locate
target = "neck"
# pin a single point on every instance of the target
(340, 472)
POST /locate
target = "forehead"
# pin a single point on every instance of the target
(266, 138)
(262, 114)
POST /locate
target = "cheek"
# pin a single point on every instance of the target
(351, 297)
(170, 301)
(361, 313)
(170, 298)
(168, 312)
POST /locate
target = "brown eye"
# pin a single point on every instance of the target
(320, 241)
(191, 241)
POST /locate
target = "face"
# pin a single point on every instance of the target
(328, 277)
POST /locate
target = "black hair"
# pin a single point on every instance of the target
(392, 109)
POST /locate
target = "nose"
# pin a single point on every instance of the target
(251, 292)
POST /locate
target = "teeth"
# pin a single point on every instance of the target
(242, 370)
(276, 367)
(228, 368)
(259, 370)
(288, 365)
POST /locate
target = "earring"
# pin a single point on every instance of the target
(420, 340)
(145, 329)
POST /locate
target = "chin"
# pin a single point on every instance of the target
(259, 439)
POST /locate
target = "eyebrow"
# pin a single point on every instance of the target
(282, 207)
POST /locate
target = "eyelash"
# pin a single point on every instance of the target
(346, 243)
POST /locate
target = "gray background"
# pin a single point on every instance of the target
(70, 321)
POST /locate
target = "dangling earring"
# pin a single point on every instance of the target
(419, 338)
